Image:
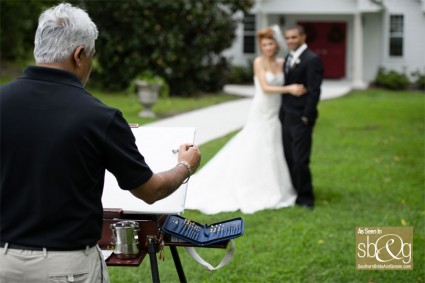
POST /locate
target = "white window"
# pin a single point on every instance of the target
(396, 35)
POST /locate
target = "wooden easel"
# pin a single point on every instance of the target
(150, 239)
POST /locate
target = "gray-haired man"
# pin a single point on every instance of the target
(57, 140)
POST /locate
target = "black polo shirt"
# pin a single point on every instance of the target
(56, 142)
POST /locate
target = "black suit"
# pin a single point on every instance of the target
(297, 136)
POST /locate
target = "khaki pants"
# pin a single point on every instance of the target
(84, 266)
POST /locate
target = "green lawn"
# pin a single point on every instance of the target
(368, 166)
(164, 107)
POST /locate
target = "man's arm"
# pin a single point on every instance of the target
(314, 78)
(163, 184)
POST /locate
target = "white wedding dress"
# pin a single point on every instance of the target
(249, 173)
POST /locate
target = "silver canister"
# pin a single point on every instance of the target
(125, 239)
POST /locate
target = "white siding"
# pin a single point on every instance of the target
(306, 6)
(235, 52)
(375, 28)
(414, 36)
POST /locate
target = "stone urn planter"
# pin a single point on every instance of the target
(148, 93)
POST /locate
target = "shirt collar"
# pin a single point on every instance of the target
(52, 75)
(297, 53)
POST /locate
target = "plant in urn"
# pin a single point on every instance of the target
(148, 95)
(148, 87)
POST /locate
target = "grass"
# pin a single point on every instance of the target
(165, 106)
(368, 168)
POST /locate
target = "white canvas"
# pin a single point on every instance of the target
(156, 144)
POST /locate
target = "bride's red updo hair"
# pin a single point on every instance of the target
(267, 33)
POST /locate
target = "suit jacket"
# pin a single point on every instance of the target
(308, 72)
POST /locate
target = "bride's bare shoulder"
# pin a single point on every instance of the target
(258, 60)
(258, 64)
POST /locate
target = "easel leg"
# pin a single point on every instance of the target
(154, 262)
(178, 264)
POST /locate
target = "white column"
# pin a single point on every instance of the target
(261, 20)
(358, 82)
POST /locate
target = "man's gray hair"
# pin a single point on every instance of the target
(61, 29)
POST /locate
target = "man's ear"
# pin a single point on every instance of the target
(78, 53)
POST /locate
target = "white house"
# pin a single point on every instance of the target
(353, 37)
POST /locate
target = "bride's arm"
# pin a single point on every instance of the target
(259, 72)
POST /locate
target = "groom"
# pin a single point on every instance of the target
(298, 114)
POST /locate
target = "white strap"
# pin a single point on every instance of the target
(230, 253)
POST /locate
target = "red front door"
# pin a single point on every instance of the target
(328, 40)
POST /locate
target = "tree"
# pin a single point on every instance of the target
(180, 40)
(18, 22)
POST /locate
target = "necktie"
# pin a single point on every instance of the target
(288, 63)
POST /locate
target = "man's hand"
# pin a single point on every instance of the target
(162, 184)
(305, 120)
(190, 153)
(296, 89)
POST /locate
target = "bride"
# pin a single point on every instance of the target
(249, 173)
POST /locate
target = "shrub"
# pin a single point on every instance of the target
(391, 79)
(180, 40)
(241, 74)
(17, 33)
(149, 77)
(420, 80)
(212, 76)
